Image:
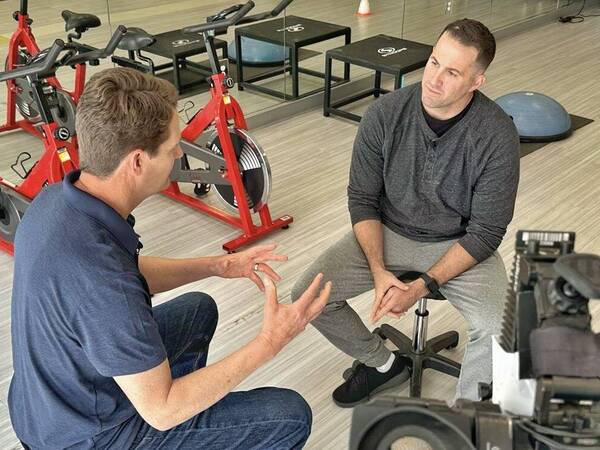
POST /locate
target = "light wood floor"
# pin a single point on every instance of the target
(309, 156)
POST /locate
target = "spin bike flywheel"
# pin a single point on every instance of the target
(12, 208)
(254, 170)
(24, 100)
(63, 114)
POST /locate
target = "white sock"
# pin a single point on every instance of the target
(388, 365)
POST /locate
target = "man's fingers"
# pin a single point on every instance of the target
(257, 249)
(271, 257)
(268, 271)
(400, 285)
(378, 297)
(270, 291)
(384, 298)
(384, 301)
(383, 310)
(319, 302)
(311, 292)
(257, 281)
(262, 253)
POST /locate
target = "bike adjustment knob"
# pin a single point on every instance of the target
(62, 133)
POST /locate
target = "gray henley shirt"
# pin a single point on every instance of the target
(461, 185)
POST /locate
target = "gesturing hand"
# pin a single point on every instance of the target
(383, 281)
(247, 263)
(282, 323)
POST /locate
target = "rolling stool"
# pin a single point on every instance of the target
(422, 353)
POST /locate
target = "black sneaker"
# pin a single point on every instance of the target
(364, 382)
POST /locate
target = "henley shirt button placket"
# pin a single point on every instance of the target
(430, 161)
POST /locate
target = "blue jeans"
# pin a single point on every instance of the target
(266, 418)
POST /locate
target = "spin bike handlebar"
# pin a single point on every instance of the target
(98, 53)
(50, 61)
(46, 65)
(265, 15)
(221, 24)
(238, 19)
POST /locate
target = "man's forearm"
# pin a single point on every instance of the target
(164, 274)
(455, 261)
(165, 402)
(370, 238)
(199, 390)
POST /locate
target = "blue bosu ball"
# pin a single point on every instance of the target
(538, 118)
(256, 53)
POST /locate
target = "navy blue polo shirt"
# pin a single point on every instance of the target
(81, 314)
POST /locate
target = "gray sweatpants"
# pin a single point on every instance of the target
(478, 294)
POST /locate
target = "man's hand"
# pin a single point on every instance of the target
(165, 402)
(247, 263)
(282, 323)
(384, 280)
(396, 302)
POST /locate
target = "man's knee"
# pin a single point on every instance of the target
(290, 407)
(299, 408)
(204, 303)
(202, 308)
(300, 413)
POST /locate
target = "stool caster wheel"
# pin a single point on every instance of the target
(201, 189)
(454, 342)
(349, 370)
(285, 227)
(379, 333)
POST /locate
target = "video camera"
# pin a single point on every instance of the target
(546, 367)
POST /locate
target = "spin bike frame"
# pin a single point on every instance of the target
(60, 154)
(23, 37)
(58, 157)
(221, 110)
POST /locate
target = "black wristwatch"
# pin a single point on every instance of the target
(430, 283)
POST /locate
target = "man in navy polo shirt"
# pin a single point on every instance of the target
(95, 366)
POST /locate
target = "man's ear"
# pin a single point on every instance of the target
(135, 161)
(478, 82)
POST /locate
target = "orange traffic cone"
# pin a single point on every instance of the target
(364, 9)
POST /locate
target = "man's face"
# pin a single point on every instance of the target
(450, 75)
(161, 164)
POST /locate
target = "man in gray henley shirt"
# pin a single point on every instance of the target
(433, 181)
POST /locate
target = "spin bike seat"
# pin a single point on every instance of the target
(135, 39)
(79, 22)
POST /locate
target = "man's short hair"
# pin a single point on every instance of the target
(472, 33)
(121, 110)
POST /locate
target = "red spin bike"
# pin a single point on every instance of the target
(47, 109)
(233, 161)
